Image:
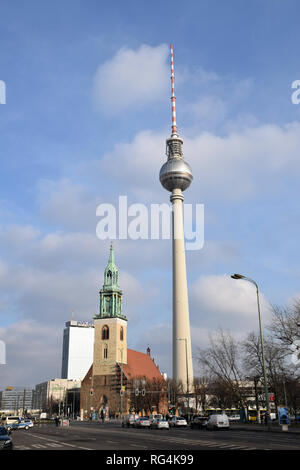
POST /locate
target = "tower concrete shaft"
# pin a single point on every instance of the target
(176, 176)
(182, 350)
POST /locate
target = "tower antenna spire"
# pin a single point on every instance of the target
(173, 97)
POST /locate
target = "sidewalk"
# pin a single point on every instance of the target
(262, 428)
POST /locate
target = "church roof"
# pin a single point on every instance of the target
(140, 365)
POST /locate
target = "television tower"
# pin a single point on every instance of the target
(176, 176)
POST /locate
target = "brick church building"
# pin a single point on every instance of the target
(120, 380)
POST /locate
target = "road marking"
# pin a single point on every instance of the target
(137, 445)
(54, 444)
(51, 440)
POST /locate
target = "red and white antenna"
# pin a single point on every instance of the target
(173, 98)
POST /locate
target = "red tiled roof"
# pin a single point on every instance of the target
(140, 365)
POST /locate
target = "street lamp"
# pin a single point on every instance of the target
(187, 373)
(240, 276)
(121, 388)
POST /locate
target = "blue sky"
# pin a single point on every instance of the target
(86, 117)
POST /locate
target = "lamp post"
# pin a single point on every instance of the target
(245, 278)
(187, 373)
(121, 388)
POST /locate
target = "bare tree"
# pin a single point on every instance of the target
(278, 373)
(285, 325)
(175, 392)
(201, 386)
(221, 362)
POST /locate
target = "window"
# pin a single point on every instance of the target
(105, 352)
(121, 334)
(105, 332)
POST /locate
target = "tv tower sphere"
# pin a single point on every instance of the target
(175, 173)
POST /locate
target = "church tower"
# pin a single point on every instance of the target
(110, 343)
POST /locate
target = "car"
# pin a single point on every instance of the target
(22, 424)
(218, 421)
(199, 422)
(142, 422)
(129, 420)
(159, 423)
(177, 421)
(234, 418)
(157, 416)
(6, 442)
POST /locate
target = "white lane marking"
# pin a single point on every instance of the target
(137, 445)
(51, 440)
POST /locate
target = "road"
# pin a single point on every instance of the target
(108, 436)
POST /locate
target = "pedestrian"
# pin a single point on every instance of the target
(102, 415)
(56, 421)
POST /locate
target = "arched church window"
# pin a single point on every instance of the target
(105, 353)
(121, 334)
(109, 277)
(105, 332)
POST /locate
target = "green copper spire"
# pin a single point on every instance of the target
(111, 273)
(110, 294)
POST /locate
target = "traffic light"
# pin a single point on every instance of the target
(172, 409)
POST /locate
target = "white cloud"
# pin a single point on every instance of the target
(33, 353)
(132, 78)
(245, 163)
(67, 205)
(219, 301)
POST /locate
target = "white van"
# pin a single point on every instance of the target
(129, 420)
(9, 420)
(218, 422)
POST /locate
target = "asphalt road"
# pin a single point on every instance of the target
(108, 436)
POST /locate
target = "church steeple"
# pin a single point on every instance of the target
(111, 273)
(110, 294)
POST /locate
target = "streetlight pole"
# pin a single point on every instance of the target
(121, 389)
(240, 276)
(187, 373)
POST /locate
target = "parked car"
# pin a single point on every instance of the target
(234, 418)
(142, 422)
(129, 420)
(177, 421)
(157, 416)
(159, 423)
(218, 422)
(6, 442)
(199, 422)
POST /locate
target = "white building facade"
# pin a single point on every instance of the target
(78, 346)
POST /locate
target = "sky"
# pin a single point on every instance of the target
(86, 117)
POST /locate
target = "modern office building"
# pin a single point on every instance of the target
(78, 346)
(51, 396)
(16, 400)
